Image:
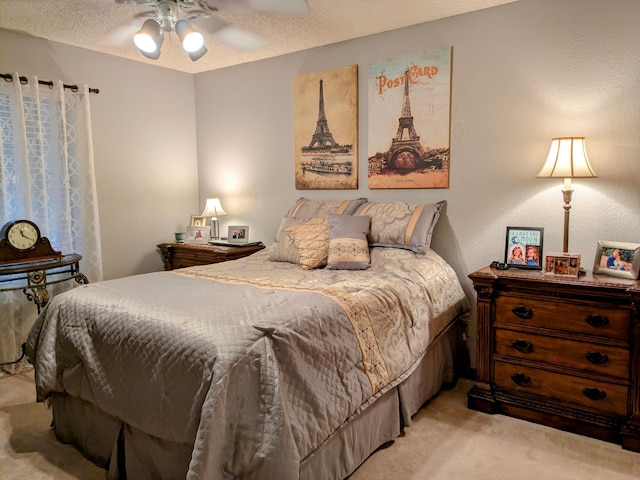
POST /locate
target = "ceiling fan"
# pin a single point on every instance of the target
(179, 16)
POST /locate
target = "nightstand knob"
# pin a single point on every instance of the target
(596, 358)
(522, 312)
(594, 393)
(521, 379)
(522, 346)
(596, 320)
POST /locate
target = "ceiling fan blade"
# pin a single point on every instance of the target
(123, 34)
(231, 35)
(286, 7)
(239, 38)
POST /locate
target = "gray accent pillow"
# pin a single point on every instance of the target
(306, 208)
(348, 244)
(402, 225)
(283, 248)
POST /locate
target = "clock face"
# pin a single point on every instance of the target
(23, 235)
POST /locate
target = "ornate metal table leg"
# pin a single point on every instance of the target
(36, 291)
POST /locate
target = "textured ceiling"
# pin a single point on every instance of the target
(108, 26)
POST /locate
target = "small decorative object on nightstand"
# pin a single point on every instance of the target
(180, 255)
(560, 351)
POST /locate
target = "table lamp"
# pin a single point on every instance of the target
(567, 159)
(213, 210)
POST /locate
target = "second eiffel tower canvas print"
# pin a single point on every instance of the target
(326, 129)
(409, 121)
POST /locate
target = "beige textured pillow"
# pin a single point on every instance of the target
(312, 240)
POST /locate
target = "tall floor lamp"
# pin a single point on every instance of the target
(567, 159)
(213, 210)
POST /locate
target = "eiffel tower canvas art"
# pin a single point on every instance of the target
(409, 117)
(326, 129)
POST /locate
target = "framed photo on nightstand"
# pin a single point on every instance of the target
(523, 247)
(563, 264)
(198, 221)
(238, 234)
(198, 234)
(618, 259)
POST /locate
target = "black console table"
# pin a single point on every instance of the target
(34, 276)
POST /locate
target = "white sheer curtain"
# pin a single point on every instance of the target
(47, 176)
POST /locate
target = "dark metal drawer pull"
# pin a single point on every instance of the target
(596, 320)
(521, 379)
(594, 393)
(523, 346)
(596, 358)
(522, 312)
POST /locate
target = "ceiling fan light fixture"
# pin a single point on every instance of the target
(149, 39)
(198, 54)
(192, 40)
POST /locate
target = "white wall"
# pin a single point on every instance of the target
(144, 135)
(523, 73)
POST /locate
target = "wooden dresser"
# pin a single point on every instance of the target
(563, 352)
(180, 255)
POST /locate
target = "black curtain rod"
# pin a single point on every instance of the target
(24, 80)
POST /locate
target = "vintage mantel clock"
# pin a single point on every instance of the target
(21, 241)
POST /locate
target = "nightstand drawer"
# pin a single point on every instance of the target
(192, 258)
(584, 356)
(566, 317)
(605, 396)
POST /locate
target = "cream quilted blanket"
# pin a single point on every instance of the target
(254, 363)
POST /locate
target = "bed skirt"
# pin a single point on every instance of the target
(130, 453)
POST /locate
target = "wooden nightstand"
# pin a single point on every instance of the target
(563, 352)
(180, 255)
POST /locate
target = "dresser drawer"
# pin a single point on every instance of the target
(605, 396)
(584, 356)
(556, 315)
(192, 258)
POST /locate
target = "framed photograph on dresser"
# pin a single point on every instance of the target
(198, 221)
(198, 234)
(562, 263)
(523, 247)
(238, 234)
(618, 259)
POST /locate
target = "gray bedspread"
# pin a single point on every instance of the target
(253, 363)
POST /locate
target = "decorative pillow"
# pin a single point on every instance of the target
(306, 208)
(312, 240)
(401, 225)
(348, 245)
(283, 249)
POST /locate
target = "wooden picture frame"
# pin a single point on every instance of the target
(238, 234)
(523, 247)
(198, 221)
(617, 259)
(562, 264)
(197, 234)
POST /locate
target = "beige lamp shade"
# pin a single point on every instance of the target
(567, 159)
(213, 208)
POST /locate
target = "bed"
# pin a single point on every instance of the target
(296, 362)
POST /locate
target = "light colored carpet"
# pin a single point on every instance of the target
(446, 442)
